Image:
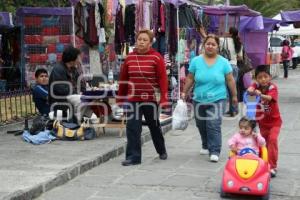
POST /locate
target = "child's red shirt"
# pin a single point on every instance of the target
(267, 112)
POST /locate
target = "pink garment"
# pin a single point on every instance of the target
(239, 141)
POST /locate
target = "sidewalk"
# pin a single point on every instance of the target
(187, 175)
(27, 170)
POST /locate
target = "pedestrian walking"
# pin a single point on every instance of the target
(267, 112)
(142, 76)
(286, 56)
(210, 73)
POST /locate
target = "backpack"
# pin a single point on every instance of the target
(40, 123)
(72, 131)
(285, 54)
(225, 51)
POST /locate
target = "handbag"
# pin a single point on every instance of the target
(156, 90)
(225, 51)
(245, 64)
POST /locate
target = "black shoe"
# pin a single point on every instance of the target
(130, 162)
(273, 173)
(163, 156)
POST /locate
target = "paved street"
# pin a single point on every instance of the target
(187, 174)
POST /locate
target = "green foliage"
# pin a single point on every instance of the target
(269, 8)
(13, 5)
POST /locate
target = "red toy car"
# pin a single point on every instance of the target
(247, 174)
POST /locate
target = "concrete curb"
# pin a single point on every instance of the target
(76, 170)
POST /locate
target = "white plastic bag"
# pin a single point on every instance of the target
(180, 116)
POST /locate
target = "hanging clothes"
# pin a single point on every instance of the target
(139, 16)
(119, 31)
(172, 37)
(79, 20)
(130, 24)
(187, 18)
(91, 36)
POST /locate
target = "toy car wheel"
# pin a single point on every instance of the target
(222, 193)
(267, 195)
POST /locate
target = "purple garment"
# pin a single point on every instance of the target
(176, 3)
(155, 14)
(115, 7)
(139, 17)
(129, 2)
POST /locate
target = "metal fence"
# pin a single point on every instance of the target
(15, 105)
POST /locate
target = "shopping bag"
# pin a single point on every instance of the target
(180, 116)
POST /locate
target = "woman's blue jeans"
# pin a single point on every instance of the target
(208, 118)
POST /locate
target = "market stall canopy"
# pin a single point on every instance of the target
(251, 23)
(258, 23)
(6, 19)
(290, 16)
(241, 10)
(44, 11)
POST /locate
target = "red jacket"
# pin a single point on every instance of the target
(140, 75)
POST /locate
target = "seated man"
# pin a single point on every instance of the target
(40, 91)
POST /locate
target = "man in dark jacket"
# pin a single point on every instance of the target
(64, 81)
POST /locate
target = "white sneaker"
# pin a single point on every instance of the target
(204, 152)
(214, 158)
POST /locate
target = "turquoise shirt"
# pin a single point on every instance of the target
(210, 80)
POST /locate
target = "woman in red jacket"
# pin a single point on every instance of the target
(142, 74)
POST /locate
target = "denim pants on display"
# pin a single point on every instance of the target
(235, 73)
(208, 118)
(134, 129)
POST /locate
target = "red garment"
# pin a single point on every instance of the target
(144, 72)
(271, 137)
(267, 112)
(162, 18)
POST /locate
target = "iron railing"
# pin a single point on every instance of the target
(15, 106)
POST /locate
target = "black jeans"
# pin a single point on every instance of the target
(295, 63)
(134, 129)
(285, 68)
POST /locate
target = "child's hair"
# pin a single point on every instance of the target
(251, 122)
(262, 68)
(40, 71)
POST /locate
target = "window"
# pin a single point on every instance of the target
(275, 42)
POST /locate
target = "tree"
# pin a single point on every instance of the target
(268, 8)
(13, 5)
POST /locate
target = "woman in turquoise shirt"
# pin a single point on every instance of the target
(210, 73)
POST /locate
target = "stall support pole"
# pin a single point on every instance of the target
(73, 25)
(178, 64)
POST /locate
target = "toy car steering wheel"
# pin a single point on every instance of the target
(250, 105)
(247, 150)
